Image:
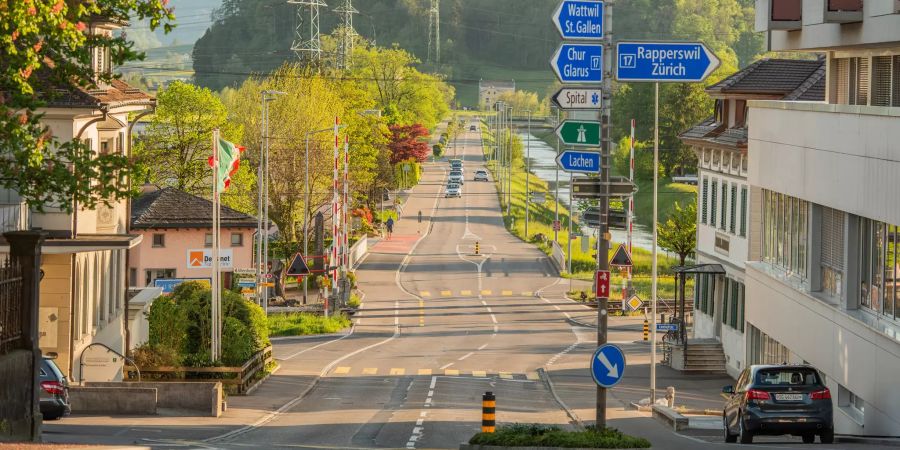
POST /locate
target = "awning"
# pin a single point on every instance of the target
(85, 243)
(715, 269)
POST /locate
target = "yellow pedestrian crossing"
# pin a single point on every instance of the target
(533, 376)
(506, 375)
(487, 292)
(402, 371)
(424, 372)
(342, 370)
(446, 293)
(451, 372)
(527, 294)
(398, 371)
(424, 294)
(471, 293)
(506, 293)
(465, 293)
(479, 373)
(370, 371)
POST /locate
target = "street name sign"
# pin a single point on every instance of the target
(578, 63)
(579, 161)
(578, 98)
(608, 365)
(667, 327)
(579, 19)
(602, 283)
(579, 132)
(664, 61)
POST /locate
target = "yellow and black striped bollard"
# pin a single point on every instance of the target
(488, 412)
(646, 330)
(477, 248)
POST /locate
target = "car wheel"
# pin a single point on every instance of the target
(809, 438)
(52, 416)
(746, 436)
(729, 438)
(827, 437)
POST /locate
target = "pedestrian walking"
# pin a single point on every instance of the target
(390, 227)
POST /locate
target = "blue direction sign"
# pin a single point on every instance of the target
(579, 162)
(664, 61)
(579, 19)
(608, 365)
(578, 63)
(667, 327)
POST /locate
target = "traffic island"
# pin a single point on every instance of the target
(544, 437)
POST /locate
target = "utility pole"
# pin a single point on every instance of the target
(308, 50)
(347, 34)
(604, 236)
(262, 293)
(509, 154)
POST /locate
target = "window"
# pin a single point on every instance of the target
(879, 268)
(724, 206)
(787, 10)
(832, 251)
(859, 81)
(237, 239)
(159, 240)
(713, 203)
(151, 275)
(785, 232)
(703, 203)
(881, 80)
(851, 404)
(744, 208)
(208, 240)
(765, 350)
(740, 114)
(733, 221)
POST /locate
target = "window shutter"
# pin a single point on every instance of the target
(724, 206)
(881, 81)
(726, 299)
(744, 207)
(895, 76)
(732, 224)
(705, 195)
(843, 81)
(862, 81)
(833, 238)
(713, 204)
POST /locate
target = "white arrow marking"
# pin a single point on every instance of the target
(613, 370)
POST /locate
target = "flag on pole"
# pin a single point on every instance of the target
(229, 160)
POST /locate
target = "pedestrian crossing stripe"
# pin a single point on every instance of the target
(446, 293)
(487, 292)
(425, 372)
(398, 371)
(465, 293)
(370, 371)
(342, 370)
(527, 294)
(506, 293)
(451, 372)
(533, 376)
(479, 373)
(506, 375)
(425, 294)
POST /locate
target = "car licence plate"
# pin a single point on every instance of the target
(789, 397)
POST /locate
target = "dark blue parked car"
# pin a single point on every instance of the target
(54, 396)
(776, 400)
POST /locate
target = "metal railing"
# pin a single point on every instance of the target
(11, 303)
(14, 217)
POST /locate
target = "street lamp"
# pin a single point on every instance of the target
(263, 222)
(527, 175)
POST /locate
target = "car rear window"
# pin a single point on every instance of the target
(787, 377)
(50, 367)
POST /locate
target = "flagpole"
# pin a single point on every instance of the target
(215, 287)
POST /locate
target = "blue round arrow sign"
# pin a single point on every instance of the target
(608, 365)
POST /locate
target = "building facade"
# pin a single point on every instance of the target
(490, 91)
(176, 231)
(723, 204)
(822, 275)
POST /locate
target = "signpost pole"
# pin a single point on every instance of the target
(602, 242)
(556, 210)
(655, 237)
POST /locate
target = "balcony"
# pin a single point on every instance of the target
(843, 11)
(14, 217)
(785, 14)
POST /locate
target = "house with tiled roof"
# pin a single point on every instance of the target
(724, 200)
(176, 244)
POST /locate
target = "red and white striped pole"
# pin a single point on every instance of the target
(630, 215)
(346, 216)
(335, 211)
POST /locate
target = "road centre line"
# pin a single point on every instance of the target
(483, 346)
(466, 356)
(445, 366)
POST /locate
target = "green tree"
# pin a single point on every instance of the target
(43, 46)
(643, 159)
(679, 233)
(178, 142)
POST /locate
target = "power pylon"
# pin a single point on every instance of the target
(346, 34)
(434, 31)
(308, 50)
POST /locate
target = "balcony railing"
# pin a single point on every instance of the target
(843, 11)
(785, 14)
(14, 217)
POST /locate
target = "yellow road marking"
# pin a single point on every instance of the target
(479, 373)
(425, 372)
(532, 376)
(425, 294)
(465, 293)
(446, 293)
(370, 371)
(487, 292)
(506, 293)
(527, 294)
(451, 372)
(506, 375)
(342, 370)
(398, 371)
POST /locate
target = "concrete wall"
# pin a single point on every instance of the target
(204, 398)
(841, 156)
(175, 253)
(120, 400)
(359, 250)
(735, 350)
(18, 418)
(845, 349)
(879, 26)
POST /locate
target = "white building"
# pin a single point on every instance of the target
(489, 92)
(720, 143)
(822, 275)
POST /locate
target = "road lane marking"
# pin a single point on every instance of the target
(506, 376)
(451, 372)
(479, 373)
(433, 383)
(396, 371)
(465, 356)
(446, 366)
(370, 371)
(425, 294)
(420, 421)
(342, 370)
(496, 328)
(527, 294)
(431, 393)
(489, 309)
(424, 372)
(487, 292)
(506, 293)
(465, 293)
(533, 376)
(494, 319)
(446, 293)
(482, 347)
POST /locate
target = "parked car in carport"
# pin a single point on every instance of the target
(777, 400)
(54, 395)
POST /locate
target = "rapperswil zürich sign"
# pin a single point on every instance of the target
(664, 61)
(579, 19)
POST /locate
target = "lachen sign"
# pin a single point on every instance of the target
(203, 258)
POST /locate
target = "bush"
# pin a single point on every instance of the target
(523, 435)
(354, 301)
(351, 276)
(237, 343)
(149, 355)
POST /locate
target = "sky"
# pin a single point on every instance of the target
(192, 18)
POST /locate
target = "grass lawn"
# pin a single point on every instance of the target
(583, 265)
(526, 435)
(302, 324)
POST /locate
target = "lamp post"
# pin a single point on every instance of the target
(527, 175)
(509, 159)
(306, 195)
(263, 222)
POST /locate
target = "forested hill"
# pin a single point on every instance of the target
(480, 38)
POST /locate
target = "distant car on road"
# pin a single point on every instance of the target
(54, 396)
(481, 175)
(776, 400)
(473, 128)
(453, 190)
(456, 164)
(456, 177)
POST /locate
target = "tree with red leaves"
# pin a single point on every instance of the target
(405, 143)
